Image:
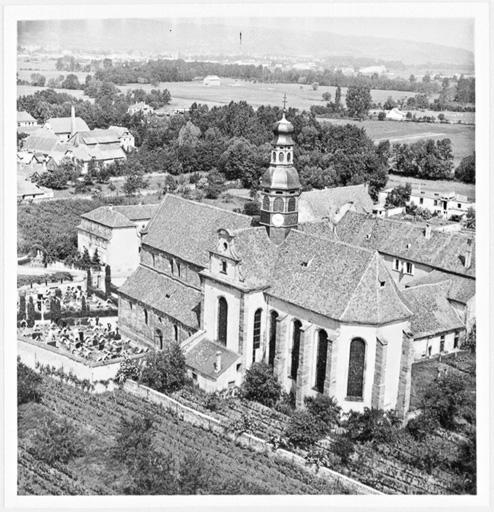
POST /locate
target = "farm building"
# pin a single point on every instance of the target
(212, 81)
(65, 127)
(395, 114)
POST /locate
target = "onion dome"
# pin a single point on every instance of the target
(280, 178)
(283, 130)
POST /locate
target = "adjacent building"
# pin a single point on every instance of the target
(140, 108)
(115, 232)
(446, 205)
(65, 127)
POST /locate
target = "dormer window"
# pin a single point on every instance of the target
(223, 267)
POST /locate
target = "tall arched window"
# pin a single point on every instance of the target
(222, 320)
(272, 338)
(273, 156)
(159, 338)
(265, 203)
(292, 202)
(146, 316)
(281, 156)
(321, 362)
(256, 336)
(297, 329)
(288, 157)
(175, 332)
(278, 204)
(355, 386)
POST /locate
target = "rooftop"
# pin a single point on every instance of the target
(64, 124)
(121, 216)
(165, 294)
(432, 312)
(25, 117)
(202, 357)
(443, 250)
(188, 229)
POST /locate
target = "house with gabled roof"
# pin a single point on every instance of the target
(326, 315)
(65, 127)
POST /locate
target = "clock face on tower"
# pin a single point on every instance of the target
(278, 220)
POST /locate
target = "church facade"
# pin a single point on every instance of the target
(325, 315)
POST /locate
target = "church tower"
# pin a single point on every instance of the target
(280, 185)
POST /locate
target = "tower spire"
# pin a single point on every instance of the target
(284, 103)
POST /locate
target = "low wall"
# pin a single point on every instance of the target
(32, 353)
(244, 439)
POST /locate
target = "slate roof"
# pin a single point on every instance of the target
(445, 251)
(41, 140)
(317, 204)
(432, 312)
(165, 294)
(321, 228)
(137, 211)
(119, 130)
(25, 117)
(96, 136)
(108, 216)
(64, 124)
(459, 288)
(188, 229)
(336, 280)
(202, 356)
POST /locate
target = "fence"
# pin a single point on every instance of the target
(243, 439)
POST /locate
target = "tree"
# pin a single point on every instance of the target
(373, 425)
(28, 384)
(326, 96)
(71, 82)
(30, 312)
(261, 385)
(337, 98)
(471, 341)
(135, 181)
(470, 218)
(107, 281)
(215, 184)
(381, 116)
(466, 169)
(165, 370)
(399, 196)
(38, 80)
(21, 314)
(57, 441)
(95, 260)
(304, 429)
(325, 409)
(358, 100)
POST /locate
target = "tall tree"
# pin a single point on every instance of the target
(358, 100)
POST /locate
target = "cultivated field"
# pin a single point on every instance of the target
(462, 136)
(97, 418)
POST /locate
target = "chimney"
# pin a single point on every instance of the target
(72, 120)
(428, 231)
(468, 254)
(217, 363)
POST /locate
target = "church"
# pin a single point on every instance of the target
(326, 315)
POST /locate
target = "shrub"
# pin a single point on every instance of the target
(165, 370)
(251, 208)
(261, 385)
(129, 369)
(286, 404)
(57, 441)
(213, 402)
(134, 439)
(373, 425)
(28, 383)
(343, 448)
(304, 429)
(326, 409)
(422, 425)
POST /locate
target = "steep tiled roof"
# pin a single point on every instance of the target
(108, 216)
(322, 228)
(25, 117)
(445, 251)
(335, 279)
(316, 204)
(188, 229)
(41, 140)
(164, 294)
(202, 356)
(433, 314)
(119, 130)
(64, 124)
(459, 288)
(96, 136)
(137, 211)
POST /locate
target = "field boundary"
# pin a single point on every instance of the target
(244, 439)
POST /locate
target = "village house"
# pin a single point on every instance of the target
(212, 81)
(127, 141)
(326, 315)
(395, 114)
(446, 205)
(115, 232)
(30, 192)
(65, 127)
(26, 122)
(140, 108)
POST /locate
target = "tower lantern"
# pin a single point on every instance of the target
(280, 184)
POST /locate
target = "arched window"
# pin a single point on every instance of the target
(146, 316)
(272, 338)
(292, 203)
(222, 320)
(321, 362)
(175, 332)
(289, 157)
(278, 204)
(273, 156)
(355, 386)
(265, 203)
(297, 328)
(281, 157)
(256, 336)
(159, 338)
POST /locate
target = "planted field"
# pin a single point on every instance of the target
(99, 417)
(462, 136)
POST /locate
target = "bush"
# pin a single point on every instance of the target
(422, 425)
(261, 385)
(134, 439)
(165, 370)
(286, 404)
(57, 441)
(129, 369)
(251, 208)
(325, 409)
(373, 425)
(343, 448)
(28, 383)
(304, 429)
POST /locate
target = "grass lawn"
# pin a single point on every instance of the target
(425, 372)
(465, 189)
